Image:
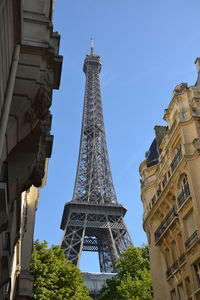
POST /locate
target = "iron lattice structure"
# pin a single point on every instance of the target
(93, 220)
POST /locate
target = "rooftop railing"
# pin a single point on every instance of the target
(165, 223)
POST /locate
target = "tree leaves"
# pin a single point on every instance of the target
(133, 281)
(54, 277)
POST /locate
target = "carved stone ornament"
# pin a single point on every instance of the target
(196, 143)
(40, 107)
(180, 88)
(149, 237)
(186, 206)
(31, 115)
(194, 249)
(38, 171)
(45, 124)
(193, 109)
(25, 284)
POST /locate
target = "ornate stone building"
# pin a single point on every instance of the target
(30, 68)
(170, 192)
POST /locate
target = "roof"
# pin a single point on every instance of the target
(152, 154)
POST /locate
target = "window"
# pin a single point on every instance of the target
(189, 224)
(180, 242)
(153, 200)
(183, 188)
(159, 190)
(188, 286)
(174, 251)
(164, 182)
(167, 257)
(177, 158)
(173, 295)
(181, 294)
(197, 273)
(177, 149)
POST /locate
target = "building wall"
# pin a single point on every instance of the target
(170, 192)
(23, 247)
(95, 282)
(30, 68)
(7, 39)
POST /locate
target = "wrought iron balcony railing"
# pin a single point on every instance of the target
(182, 259)
(168, 273)
(176, 266)
(165, 223)
(192, 239)
(176, 160)
(182, 197)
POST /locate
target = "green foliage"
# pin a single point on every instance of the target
(133, 281)
(54, 278)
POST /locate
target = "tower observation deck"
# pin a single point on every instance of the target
(93, 219)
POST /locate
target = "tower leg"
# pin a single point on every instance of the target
(73, 238)
(106, 253)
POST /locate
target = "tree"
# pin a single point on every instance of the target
(133, 281)
(54, 277)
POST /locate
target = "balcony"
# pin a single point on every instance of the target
(176, 160)
(182, 197)
(176, 266)
(170, 217)
(192, 240)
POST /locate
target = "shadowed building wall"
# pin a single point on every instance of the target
(30, 68)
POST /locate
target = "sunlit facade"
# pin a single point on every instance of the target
(170, 192)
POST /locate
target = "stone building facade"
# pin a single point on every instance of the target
(170, 192)
(95, 282)
(30, 68)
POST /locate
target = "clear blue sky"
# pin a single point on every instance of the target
(147, 48)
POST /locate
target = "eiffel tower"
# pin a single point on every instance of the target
(93, 220)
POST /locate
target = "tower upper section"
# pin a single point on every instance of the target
(94, 182)
(92, 61)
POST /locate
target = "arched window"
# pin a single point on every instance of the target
(183, 190)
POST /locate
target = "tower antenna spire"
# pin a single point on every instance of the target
(92, 45)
